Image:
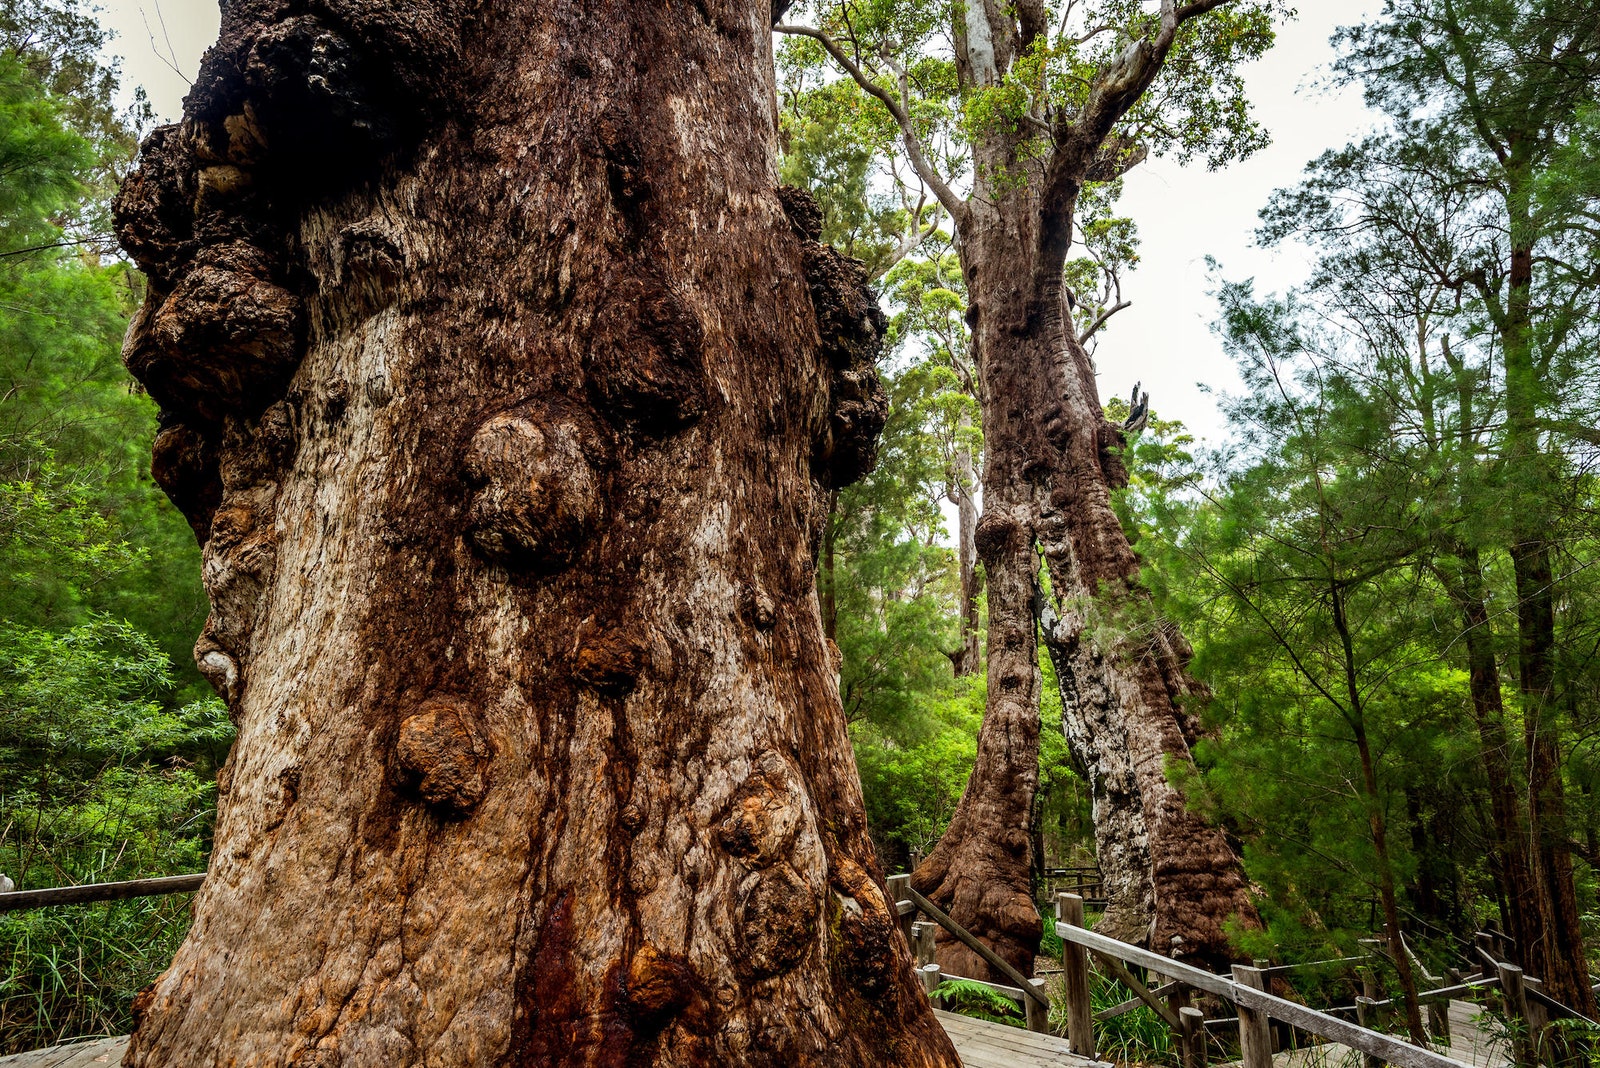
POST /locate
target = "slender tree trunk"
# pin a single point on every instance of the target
(1377, 826)
(971, 655)
(1563, 962)
(1488, 710)
(506, 398)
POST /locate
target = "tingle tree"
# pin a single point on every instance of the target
(504, 389)
(1035, 101)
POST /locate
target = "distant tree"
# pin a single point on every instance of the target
(1005, 114)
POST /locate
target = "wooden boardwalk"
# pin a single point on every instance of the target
(981, 1045)
(91, 1054)
(1471, 1043)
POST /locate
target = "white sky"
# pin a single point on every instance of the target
(1184, 213)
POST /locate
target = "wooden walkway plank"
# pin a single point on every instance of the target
(90, 1054)
(990, 1045)
(980, 1044)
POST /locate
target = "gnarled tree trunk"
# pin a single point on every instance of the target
(504, 394)
(1171, 878)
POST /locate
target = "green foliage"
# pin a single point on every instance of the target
(912, 784)
(979, 1001)
(107, 755)
(73, 971)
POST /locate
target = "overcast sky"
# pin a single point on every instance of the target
(1184, 213)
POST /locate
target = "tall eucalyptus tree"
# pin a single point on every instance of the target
(1005, 112)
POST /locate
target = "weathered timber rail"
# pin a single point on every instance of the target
(984, 1045)
(1245, 988)
(92, 892)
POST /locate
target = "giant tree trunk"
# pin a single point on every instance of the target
(970, 655)
(1171, 877)
(504, 397)
(1048, 474)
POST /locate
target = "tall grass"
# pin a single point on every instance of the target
(1135, 1037)
(72, 971)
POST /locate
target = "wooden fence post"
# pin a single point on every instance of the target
(929, 973)
(1177, 1001)
(1538, 1017)
(1367, 1016)
(1037, 1015)
(1193, 1040)
(1255, 1028)
(898, 885)
(922, 941)
(1516, 999)
(1485, 945)
(1439, 1022)
(1075, 966)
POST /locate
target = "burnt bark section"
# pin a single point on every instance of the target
(1051, 462)
(505, 397)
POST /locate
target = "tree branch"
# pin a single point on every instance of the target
(908, 134)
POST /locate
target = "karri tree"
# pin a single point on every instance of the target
(1005, 112)
(505, 389)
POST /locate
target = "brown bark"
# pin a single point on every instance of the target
(1488, 709)
(1049, 468)
(1377, 825)
(505, 396)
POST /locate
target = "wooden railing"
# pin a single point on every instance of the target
(90, 892)
(1246, 989)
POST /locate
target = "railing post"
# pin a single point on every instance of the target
(1075, 968)
(929, 973)
(898, 885)
(1037, 1015)
(1367, 1017)
(922, 939)
(1439, 1022)
(1516, 999)
(1255, 1027)
(1485, 943)
(1193, 1038)
(1538, 1017)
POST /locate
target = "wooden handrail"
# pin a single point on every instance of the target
(993, 959)
(79, 895)
(1393, 1050)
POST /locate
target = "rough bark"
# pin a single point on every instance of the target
(1508, 824)
(1171, 878)
(505, 395)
